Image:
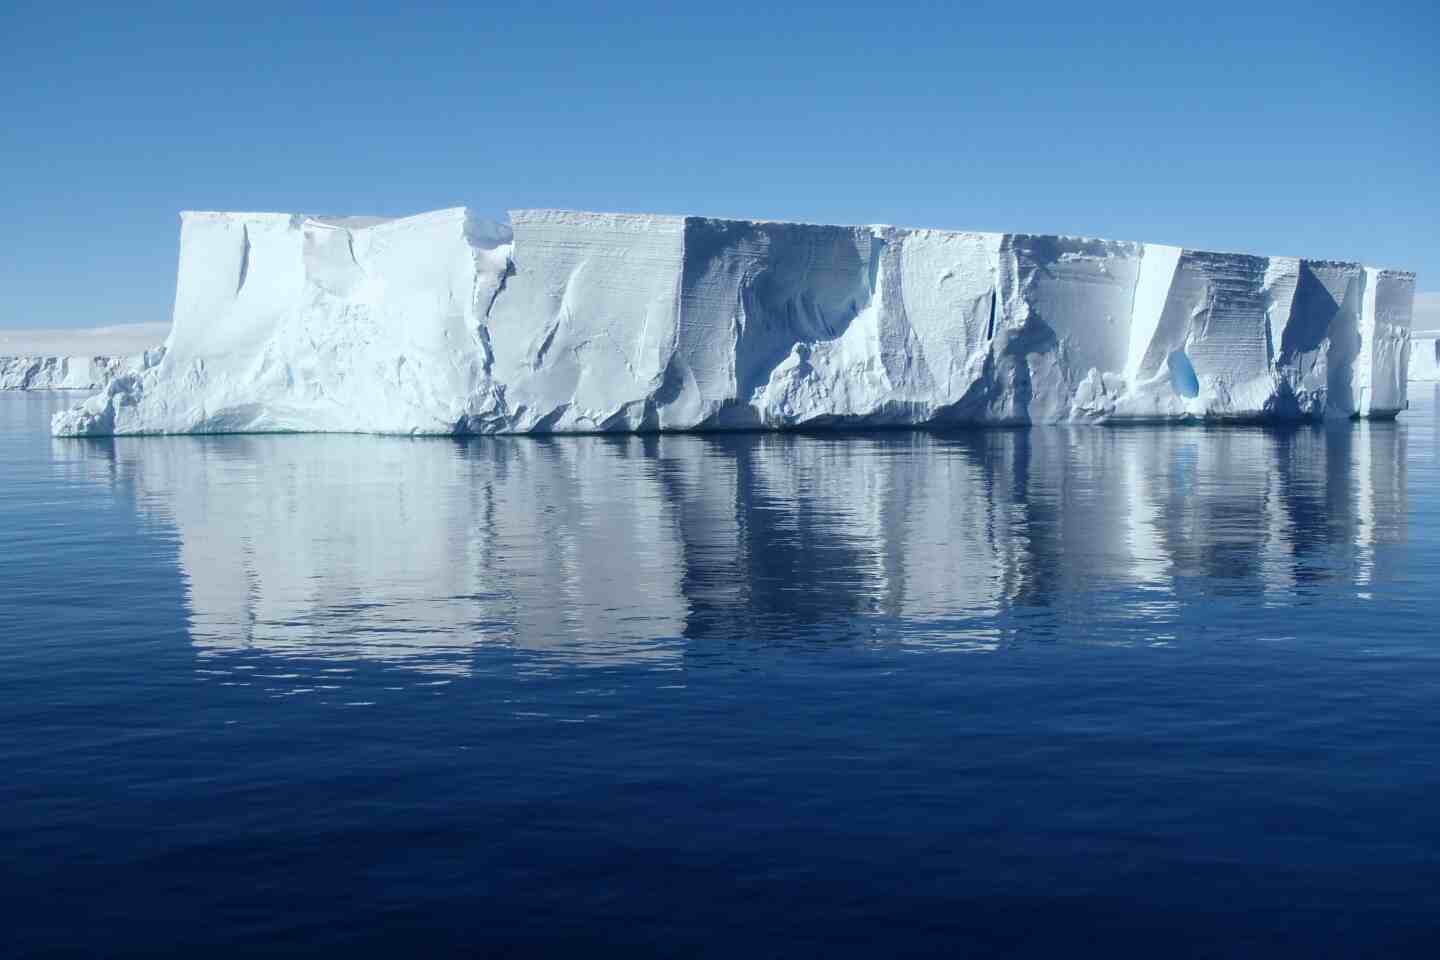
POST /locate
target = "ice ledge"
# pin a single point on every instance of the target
(567, 321)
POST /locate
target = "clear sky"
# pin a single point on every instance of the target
(1283, 127)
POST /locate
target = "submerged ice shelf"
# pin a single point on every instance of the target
(567, 322)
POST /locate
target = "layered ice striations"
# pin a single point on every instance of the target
(580, 322)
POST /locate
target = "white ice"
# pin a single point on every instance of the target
(574, 322)
(1425, 339)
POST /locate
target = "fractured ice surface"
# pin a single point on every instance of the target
(567, 321)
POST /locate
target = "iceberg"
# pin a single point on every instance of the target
(573, 322)
(1425, 358)
(1425, 341)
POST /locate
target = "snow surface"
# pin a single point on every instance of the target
(567, 321)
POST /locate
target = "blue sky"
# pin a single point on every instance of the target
(1278, 127)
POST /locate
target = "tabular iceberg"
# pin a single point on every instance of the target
(575, 322)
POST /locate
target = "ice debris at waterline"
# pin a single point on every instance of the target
(69, 373)
(566, 321)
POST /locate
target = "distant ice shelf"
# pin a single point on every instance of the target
(565, 321)
(1425, 356)
(71, 358)
(67, 372)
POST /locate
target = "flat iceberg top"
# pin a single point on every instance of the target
(572, 321)
(562, 215)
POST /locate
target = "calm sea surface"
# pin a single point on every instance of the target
(1052, 692)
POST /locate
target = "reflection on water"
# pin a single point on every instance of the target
(1004, 689)
(648, 549)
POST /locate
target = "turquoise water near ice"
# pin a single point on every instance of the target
(998, 692)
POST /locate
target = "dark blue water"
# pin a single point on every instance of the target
(1050, 692)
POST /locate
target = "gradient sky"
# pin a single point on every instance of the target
(1301, 128)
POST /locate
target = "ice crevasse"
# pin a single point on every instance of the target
(564, 321)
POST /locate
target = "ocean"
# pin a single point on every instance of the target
(1005, 692)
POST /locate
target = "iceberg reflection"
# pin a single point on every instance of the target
(599, 550)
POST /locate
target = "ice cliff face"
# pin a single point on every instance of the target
(565, 322)
(68, 373)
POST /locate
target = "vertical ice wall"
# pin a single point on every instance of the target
(1383, 362)
(621, 322)
(311, 323)
(580, 334)
(778, 318)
